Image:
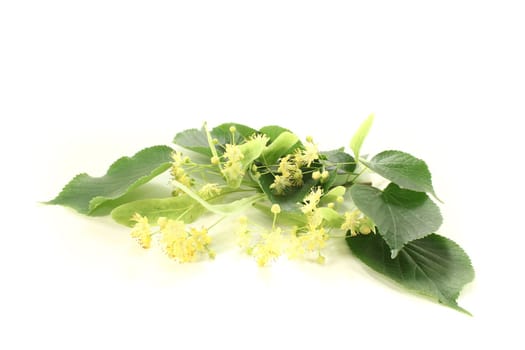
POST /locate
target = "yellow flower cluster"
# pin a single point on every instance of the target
(290, 173)
(310, 152)
(232, 170)
(357, 223)
(269, 247)
(178, 173)
(177, 242)
(209, 191)
(315, 237)
(299, 242)
(141, 231)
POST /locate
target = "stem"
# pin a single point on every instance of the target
(216, 222)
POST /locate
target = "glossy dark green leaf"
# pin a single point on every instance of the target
(433, 265)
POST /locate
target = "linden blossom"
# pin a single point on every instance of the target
(312, 197)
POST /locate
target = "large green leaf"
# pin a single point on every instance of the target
(360, 135)
(433, 266)
(401, 215)
(85, 193)
(182, 207)
(403, 169)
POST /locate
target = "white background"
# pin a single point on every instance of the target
(85, 82)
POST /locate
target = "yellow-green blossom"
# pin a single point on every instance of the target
(269, 248)
(181, 245)
(310, 152)
(311, 201)
(209, 191)
(141, 231)
(291, 175)
(357, 223)
(232, 170)
(295, 248)
(315, 239)
(177, 171)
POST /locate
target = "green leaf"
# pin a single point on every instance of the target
(85, 193)
(194, 140)
(182, 207)
(360, 135)
(284, 144)
(433, 266)
(403, 169)
(401, 215)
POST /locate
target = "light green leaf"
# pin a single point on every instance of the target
(401, 215)
(360, 135)
(182, 207)
(433, 266)
(85, 193)
(221, 209)
(403, 169)
(284, 144)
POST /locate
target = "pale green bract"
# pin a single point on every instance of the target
(360, 135)
(310, 196)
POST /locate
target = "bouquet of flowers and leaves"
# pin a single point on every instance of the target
(310, 196)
